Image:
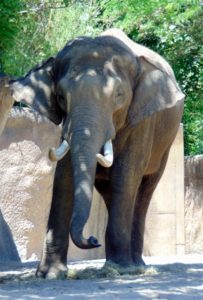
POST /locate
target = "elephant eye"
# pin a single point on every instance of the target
(61, 101)
(60, 98)
(119, 93)
(119, 97)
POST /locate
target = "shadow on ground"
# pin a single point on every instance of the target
(169, 281)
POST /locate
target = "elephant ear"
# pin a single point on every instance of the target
(156, 87)
(156, 90)
(36, 89)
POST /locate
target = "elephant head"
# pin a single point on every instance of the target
(96, 87)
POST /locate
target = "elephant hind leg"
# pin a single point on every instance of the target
(144, 195)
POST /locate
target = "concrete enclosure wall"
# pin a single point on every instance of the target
(26, 177)
(26, 187)
(165, 228)
(194, 204)
(8, 251)
(6, 101)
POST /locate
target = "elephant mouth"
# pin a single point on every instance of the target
(105, 159)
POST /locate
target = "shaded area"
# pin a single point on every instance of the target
(170, 281)
(8, 250)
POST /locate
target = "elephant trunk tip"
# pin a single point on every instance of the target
(94, 242)
(83, 243)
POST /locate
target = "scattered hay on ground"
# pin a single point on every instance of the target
(110, 270)
(17, 276)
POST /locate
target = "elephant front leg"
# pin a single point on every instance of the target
(127, 173)
(125, 183)
(54, 257)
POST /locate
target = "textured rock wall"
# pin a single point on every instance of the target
(6, 101)
(194, 204)
(8, 251)
(26, 186)
(26, 178)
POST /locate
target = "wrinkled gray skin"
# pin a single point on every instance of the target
(104, 88)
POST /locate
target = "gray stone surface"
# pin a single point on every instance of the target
(8, 251)
(194, 204)
(165, 228)
(26, 178)
(6, 101)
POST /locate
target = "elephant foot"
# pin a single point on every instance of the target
(121, 269)
(52, 271)
(138, 261)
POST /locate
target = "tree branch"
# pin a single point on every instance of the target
(42, 7)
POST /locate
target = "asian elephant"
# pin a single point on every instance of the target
(120, 107)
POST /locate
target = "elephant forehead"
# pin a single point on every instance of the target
(90, 71)
(96, 74)
(97, 79)
(91, 62)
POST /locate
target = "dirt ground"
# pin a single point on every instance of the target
(164, 278)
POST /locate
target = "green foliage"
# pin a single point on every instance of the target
(79, 18)
(28, 44)
(44, 29)
(8, 24)
(127, 14)
(32, 30)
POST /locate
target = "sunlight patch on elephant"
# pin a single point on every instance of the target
(28, 92)
(91, 72)
(78, 77)
(109, 87)
(42, 85)
(95, 54)
(49, 236)
(87, 132)
(83, 167)
(83, 188)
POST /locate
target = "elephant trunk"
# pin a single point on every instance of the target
(84, 146)
(86, 140)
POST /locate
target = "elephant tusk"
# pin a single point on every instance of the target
(60, 152)
(106, 160)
